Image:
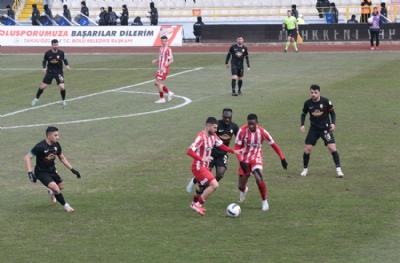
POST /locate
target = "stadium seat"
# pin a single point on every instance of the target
(75, 4)
(56, 4)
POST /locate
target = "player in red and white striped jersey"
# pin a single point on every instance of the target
(200, 150)
(165, 59)
(250, 139)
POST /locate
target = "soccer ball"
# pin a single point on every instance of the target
(233, 210)
(370, 20)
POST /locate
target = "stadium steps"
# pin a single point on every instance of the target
(26, 11)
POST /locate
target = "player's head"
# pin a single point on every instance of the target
(227, 116)
(315, 91)
(83, 3)
(151, 5)
(164, 41)
(289, 13)
(375, 10)
(252, 122)
(211, 125)
(54, 44)
(52, 134)
(239, 39)
(8, 7)
(34, 6)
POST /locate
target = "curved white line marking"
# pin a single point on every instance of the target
(187, 101)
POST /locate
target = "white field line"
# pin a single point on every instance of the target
(88, 69)
(187, 101)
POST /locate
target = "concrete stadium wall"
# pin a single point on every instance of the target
(310, 33)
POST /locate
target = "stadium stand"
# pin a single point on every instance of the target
(212, 11)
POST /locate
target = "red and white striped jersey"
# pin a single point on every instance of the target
(203, 145)
(251, 142)
(163, 58)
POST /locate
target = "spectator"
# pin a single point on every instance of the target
(197, 29)
(153, 15)
(295, 13)
(322, 7)
(352, 20)
(383, 12)
(67, 13)
(375, 26)
(84, 9)
(10, 12)
(137, 22)
(334, 12)
(300, 20)
(102, 17)
(124, 16)
(111, 17)
(48, 12)
(35, 15)
(365, 10)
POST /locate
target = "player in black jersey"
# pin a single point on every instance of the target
(238, 52)
(45, 170)
(54, 59)
(225, 131)
(321, 127)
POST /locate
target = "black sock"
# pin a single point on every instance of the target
(240, 83)
(306, 159)
(60, 198)
(233, 85)
(63, 94)
(336, 159)
(39, 92)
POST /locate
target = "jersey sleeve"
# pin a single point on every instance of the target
(170, 54)
(197, 143)
(36, 150)
(59, 150)
(305, 109)
(267, 136)
(239, 139)
(235, 129)
(330, 105)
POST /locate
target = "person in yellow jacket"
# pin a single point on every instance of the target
(290, 24)
(365, 10)
(300, 20)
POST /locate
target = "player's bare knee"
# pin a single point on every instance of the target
(332, 147)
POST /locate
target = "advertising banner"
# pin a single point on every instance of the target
(89, 36)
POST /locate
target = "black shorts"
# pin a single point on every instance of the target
(291, 33)
(314, 134)
(238, 71)
(221, 160)
(48, 78)
(47, 178)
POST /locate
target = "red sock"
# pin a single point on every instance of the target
(161, 95)
(165, 89)
(195, 199)
(263, 190)
(201, 201)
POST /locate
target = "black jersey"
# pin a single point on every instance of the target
(319, 112)
(45, 156)
(238, 54)
(225, 133)
(54, 61)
